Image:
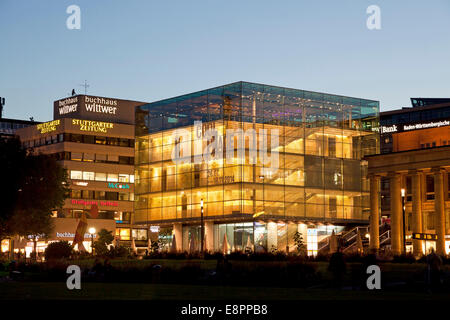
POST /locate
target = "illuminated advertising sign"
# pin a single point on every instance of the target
(425, 236)
(389, 129)
(96, 109)
(100, 105)
(72, 235)
(48, 126)
(68, 105)
(414, 126)
(113, 185)
(93, 126)
(94, 202)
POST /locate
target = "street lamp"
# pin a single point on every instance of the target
(201, 225)
(403, 217)
(92, 232)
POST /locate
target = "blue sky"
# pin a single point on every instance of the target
(150, 50)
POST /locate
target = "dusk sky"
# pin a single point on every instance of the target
(151, 50)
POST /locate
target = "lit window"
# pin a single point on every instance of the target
(76, 175)
(88, 175)
(131, 178)
(124, 178)
(113, 177)
(100, 176)
(124, 234)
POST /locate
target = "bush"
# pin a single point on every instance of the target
(58, 250)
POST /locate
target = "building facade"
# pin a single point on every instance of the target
(419, 199)
(93, 138)
(407, 135)
(253, 164)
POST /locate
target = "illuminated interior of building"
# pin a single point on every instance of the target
(313, 174)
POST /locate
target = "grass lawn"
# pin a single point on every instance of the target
(120, 291)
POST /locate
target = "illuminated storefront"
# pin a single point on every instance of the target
(259, 160)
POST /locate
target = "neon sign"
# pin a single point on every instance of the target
(118, 185)
(48, 126)
(93, 126)
(93, 202)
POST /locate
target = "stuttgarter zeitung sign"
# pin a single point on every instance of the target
(93, 126)
(416, 126)
(48, 126)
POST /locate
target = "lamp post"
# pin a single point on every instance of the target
(92, 232)
(201, 226)
(403, 217)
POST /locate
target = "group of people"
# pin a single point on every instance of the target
(100, 271)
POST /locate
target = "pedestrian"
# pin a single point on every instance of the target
(434, 263)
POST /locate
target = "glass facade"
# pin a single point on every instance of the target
(244, 151)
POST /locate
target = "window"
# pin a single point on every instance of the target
(76, 156)
(100, 158)
(89, 157)
(89, 139)
(124, 142)
(131, 178)
(124, 178)
(88, 175)
(76, 194)
(140, 234)
(100, 176)
(113, 141)
(430, 221)
(76, 175)
(430, 187)
(123, 233)
(113, 158)
(77, 138)
(88, 194)
(100, 140)
(112, 196)
(113, 177)
(100, 195)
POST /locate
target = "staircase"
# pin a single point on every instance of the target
(348, 239)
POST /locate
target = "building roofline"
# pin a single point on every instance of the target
(260, 84)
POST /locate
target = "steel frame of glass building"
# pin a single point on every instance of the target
(316, 183)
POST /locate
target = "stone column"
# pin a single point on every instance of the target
(178, 233)
(272, 236)
(416, 211)
(209, 236)
(396, 213)
(439, 210)
(374, 240)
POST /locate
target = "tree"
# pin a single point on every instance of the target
(39, 185)
(298, 240)
(58, 250)
(12, 158)
(105, 238)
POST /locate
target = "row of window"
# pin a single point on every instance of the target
(119, 216)
(80, 138)
(101, 195)
(138, 234)
(100, 176)
(98, 158)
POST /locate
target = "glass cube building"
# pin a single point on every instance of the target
(257, 162)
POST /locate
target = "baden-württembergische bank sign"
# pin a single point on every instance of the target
(96, 108)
